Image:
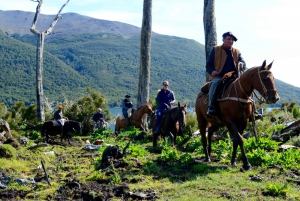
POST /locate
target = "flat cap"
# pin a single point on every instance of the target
(229, 34)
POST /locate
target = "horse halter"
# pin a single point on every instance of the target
(265, 90)
(262, 84)
(177, 115)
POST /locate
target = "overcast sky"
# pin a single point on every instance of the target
(266, 29)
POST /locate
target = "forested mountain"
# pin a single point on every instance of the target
(102, 54)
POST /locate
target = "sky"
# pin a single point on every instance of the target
(266, 29)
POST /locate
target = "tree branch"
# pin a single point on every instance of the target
(37, 13)
(55, 19)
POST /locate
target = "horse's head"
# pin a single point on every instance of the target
(264, 83)
(148, 109)
(181, 110)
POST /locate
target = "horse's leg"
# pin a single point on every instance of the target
(237, 140)
(168, 132)
(210, 133)
(68, 136)
(202, 123)
(155, 138)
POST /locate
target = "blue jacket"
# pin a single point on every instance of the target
(126, 105)
(164, 98)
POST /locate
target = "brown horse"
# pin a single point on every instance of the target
(136, 118)
(171, 124)
(235, 107)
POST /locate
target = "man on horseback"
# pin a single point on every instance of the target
(98, 119)
(164, 100)
(126, 104)
(223, 59)
(58, 116)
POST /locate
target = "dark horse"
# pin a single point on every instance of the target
(69, 125)
(171, 124)
(234, 108)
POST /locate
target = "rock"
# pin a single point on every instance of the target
(23, 140)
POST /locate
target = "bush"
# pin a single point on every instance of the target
(7, 151)
(191, 124)
(296, 112)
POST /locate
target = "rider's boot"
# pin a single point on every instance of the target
(211, 112)
(156, 130)
(127, 122)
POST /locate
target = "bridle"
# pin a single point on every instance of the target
(176, 117)
(265, 90)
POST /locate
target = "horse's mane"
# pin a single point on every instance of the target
(251, 69)
(141, 106)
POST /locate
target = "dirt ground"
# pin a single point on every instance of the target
(74, 190)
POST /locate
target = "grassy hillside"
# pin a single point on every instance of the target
(102, 54)
(18, 74)
(110, 63)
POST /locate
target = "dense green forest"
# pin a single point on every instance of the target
(107, 62)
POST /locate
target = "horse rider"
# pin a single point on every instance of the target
(126, 104)
(222, 59)
(58, 116)
(98, 119)
(165, 98)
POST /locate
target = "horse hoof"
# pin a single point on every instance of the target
(247, 167)
(207, 160)
(234, 164)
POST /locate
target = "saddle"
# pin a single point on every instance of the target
(55, 123)
(129, 112)
(225, 81)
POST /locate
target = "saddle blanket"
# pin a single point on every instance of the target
(55, 123)
(129, 112)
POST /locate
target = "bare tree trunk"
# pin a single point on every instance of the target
(39, 57)
(209, 22)
(39, 77)
(145, 58)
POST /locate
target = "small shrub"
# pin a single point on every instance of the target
(33, 134)
(169, 154)
(200, 168)
(193, 144)
(223, 149)
(186, 158)
(258, 157)
(262, 143)
(276, 190)
(7, 151)
(98, 175)
(296, 112)
(151, 167)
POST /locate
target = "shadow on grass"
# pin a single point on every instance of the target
(178, 171)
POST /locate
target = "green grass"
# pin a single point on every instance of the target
(175, 174)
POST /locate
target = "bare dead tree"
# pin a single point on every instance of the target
(209, 23)
(39, 57)
(145, 57)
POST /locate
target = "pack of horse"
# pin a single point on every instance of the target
(234, 107)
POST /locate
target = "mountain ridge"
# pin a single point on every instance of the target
(106, 61)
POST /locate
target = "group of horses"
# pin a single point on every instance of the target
(234, 107)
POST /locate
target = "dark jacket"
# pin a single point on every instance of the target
(97, 116)
(164, 98)
(58, 115)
